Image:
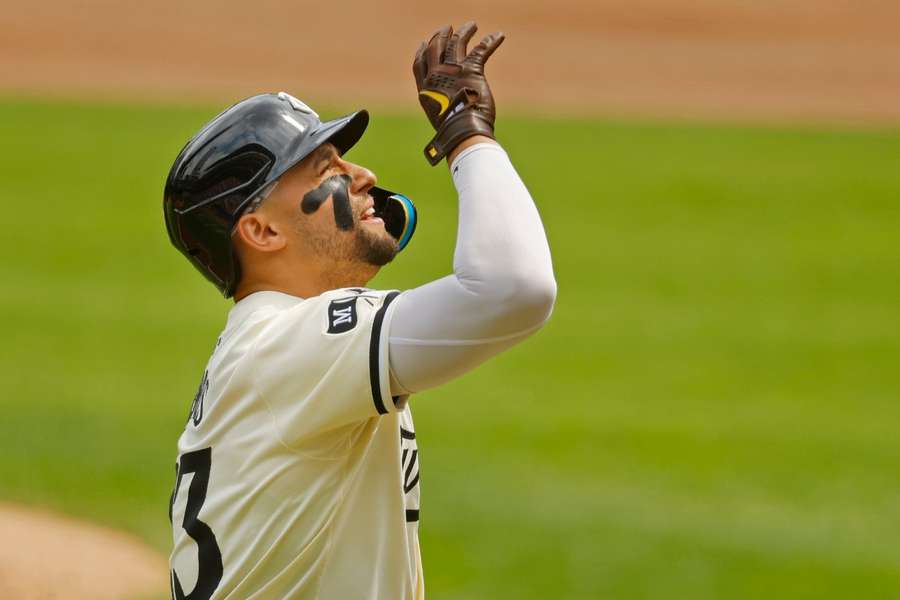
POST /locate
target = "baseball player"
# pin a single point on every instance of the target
(298, 471)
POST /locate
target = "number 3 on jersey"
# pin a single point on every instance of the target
(209, 570)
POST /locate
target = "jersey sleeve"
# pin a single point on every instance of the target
(323, 364)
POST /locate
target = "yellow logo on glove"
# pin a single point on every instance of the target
(438, 97)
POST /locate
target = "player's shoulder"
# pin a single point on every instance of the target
(318, 330)
(345, 308)
(332, 313)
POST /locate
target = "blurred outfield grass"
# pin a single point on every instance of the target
(713, 411)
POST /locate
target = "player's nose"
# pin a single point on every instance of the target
(362, 179)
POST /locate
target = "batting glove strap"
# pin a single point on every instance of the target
(454, 130)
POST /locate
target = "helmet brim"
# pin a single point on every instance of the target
(343, 132)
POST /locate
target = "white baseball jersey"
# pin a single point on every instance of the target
(298, 472)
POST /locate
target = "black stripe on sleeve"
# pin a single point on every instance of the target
(412, 463)
(412, 515)
(409, 486)
(374, 348)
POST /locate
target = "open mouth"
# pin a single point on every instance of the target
(368, 216)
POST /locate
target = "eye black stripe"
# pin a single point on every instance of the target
(335, 187)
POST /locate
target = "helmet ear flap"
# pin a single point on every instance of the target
(398, 213)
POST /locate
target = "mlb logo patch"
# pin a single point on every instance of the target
(342, 315)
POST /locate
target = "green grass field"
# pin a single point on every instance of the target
(713, 411)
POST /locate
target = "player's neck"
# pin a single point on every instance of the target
(303, 285)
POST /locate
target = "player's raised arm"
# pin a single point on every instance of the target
(502, 288)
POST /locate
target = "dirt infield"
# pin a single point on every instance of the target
(47, 557)
(809, 60)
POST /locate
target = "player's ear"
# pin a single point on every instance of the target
(257, 230)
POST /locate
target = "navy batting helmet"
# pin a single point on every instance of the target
(238, 154)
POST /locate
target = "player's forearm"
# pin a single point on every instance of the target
(502, 288)
(501, 253)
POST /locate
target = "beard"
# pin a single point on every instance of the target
(360, 247)
(376, 248)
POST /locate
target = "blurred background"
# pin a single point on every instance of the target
(711, 413)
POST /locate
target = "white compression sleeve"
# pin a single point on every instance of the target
(502, 288)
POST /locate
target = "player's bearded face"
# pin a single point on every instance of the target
(337, 221)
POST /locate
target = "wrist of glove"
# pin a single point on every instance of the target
(452, 88)
(456, 128)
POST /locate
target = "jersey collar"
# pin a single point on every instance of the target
(258, 300)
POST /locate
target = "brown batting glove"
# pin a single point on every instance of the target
(452, 88)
